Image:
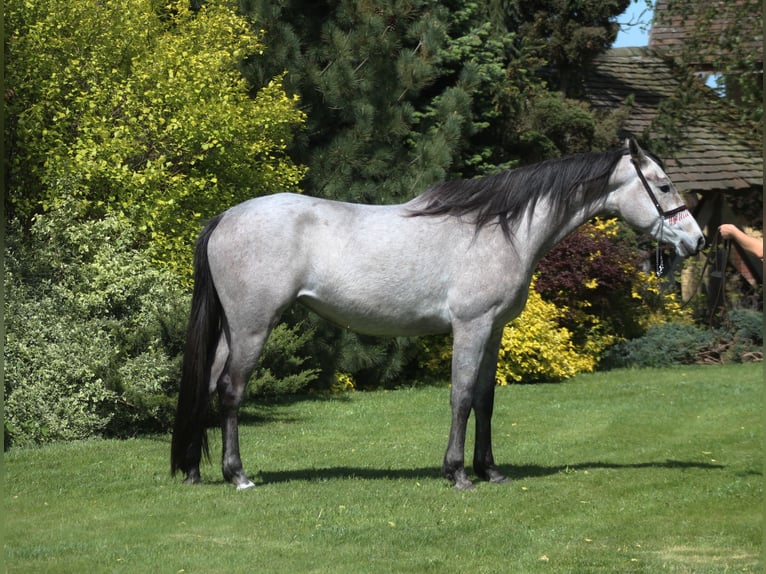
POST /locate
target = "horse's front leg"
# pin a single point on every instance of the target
(468, 347)
(230, 393)
(483, 405)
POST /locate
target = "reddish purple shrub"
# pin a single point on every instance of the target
(591, 273)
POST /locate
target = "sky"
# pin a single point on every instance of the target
(640, 16)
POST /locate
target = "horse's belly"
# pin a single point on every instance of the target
(378, 315)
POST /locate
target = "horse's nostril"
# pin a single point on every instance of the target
(700, 244)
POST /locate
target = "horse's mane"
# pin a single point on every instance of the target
(504, 197)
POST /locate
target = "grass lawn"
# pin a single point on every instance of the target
(627, 471)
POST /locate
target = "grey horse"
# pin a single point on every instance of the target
(458, 258)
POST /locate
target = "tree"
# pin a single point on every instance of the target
(568, 34)
(142, 113)
(365, 73)
(400, 95)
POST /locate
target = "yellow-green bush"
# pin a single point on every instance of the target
(535, 348)
(138, 109)
(343, 383)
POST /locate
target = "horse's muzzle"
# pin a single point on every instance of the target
(687, 249)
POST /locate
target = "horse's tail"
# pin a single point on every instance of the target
(205, 323)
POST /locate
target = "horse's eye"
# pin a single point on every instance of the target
(665, 188)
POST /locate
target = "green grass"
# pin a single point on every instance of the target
(629, 471)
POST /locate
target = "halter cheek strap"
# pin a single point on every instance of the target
(663, 214)
(672, 214)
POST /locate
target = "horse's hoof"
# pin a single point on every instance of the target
(458, 477)
(245, 485)
(464, 485)
(494, 476)
(193, 478)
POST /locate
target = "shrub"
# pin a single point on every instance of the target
(739, 339)
(282, 368)
(94, 331)
(662, 345)
(54, 366)
(536, 349)
(593, 277)
(745, 325)
(141, 106)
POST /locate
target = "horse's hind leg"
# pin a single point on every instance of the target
(230, 392)
(194, 455)
(244, 354)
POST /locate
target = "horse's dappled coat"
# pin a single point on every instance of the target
(459, 258)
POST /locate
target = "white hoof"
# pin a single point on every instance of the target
(245, 485)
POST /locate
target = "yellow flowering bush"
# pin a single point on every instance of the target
(535, 348)
(343, 383)
(661, 304)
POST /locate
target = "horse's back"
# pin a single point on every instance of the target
(360, 266)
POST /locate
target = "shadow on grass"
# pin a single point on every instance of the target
(535, 471)
(513, 472)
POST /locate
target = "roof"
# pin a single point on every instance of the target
(711, 156)
(675, 23)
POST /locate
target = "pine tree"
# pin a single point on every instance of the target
(568, 34)
(362, 71)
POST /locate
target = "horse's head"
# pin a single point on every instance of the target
(647, 200)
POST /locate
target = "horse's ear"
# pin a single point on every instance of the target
(636, 153)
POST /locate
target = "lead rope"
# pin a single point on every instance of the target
(719, 272)
(716, 272)
(658, 260)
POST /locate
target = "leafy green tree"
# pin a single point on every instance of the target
(129, 123)
(140, 109)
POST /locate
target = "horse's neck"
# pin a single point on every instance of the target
(543, 230)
